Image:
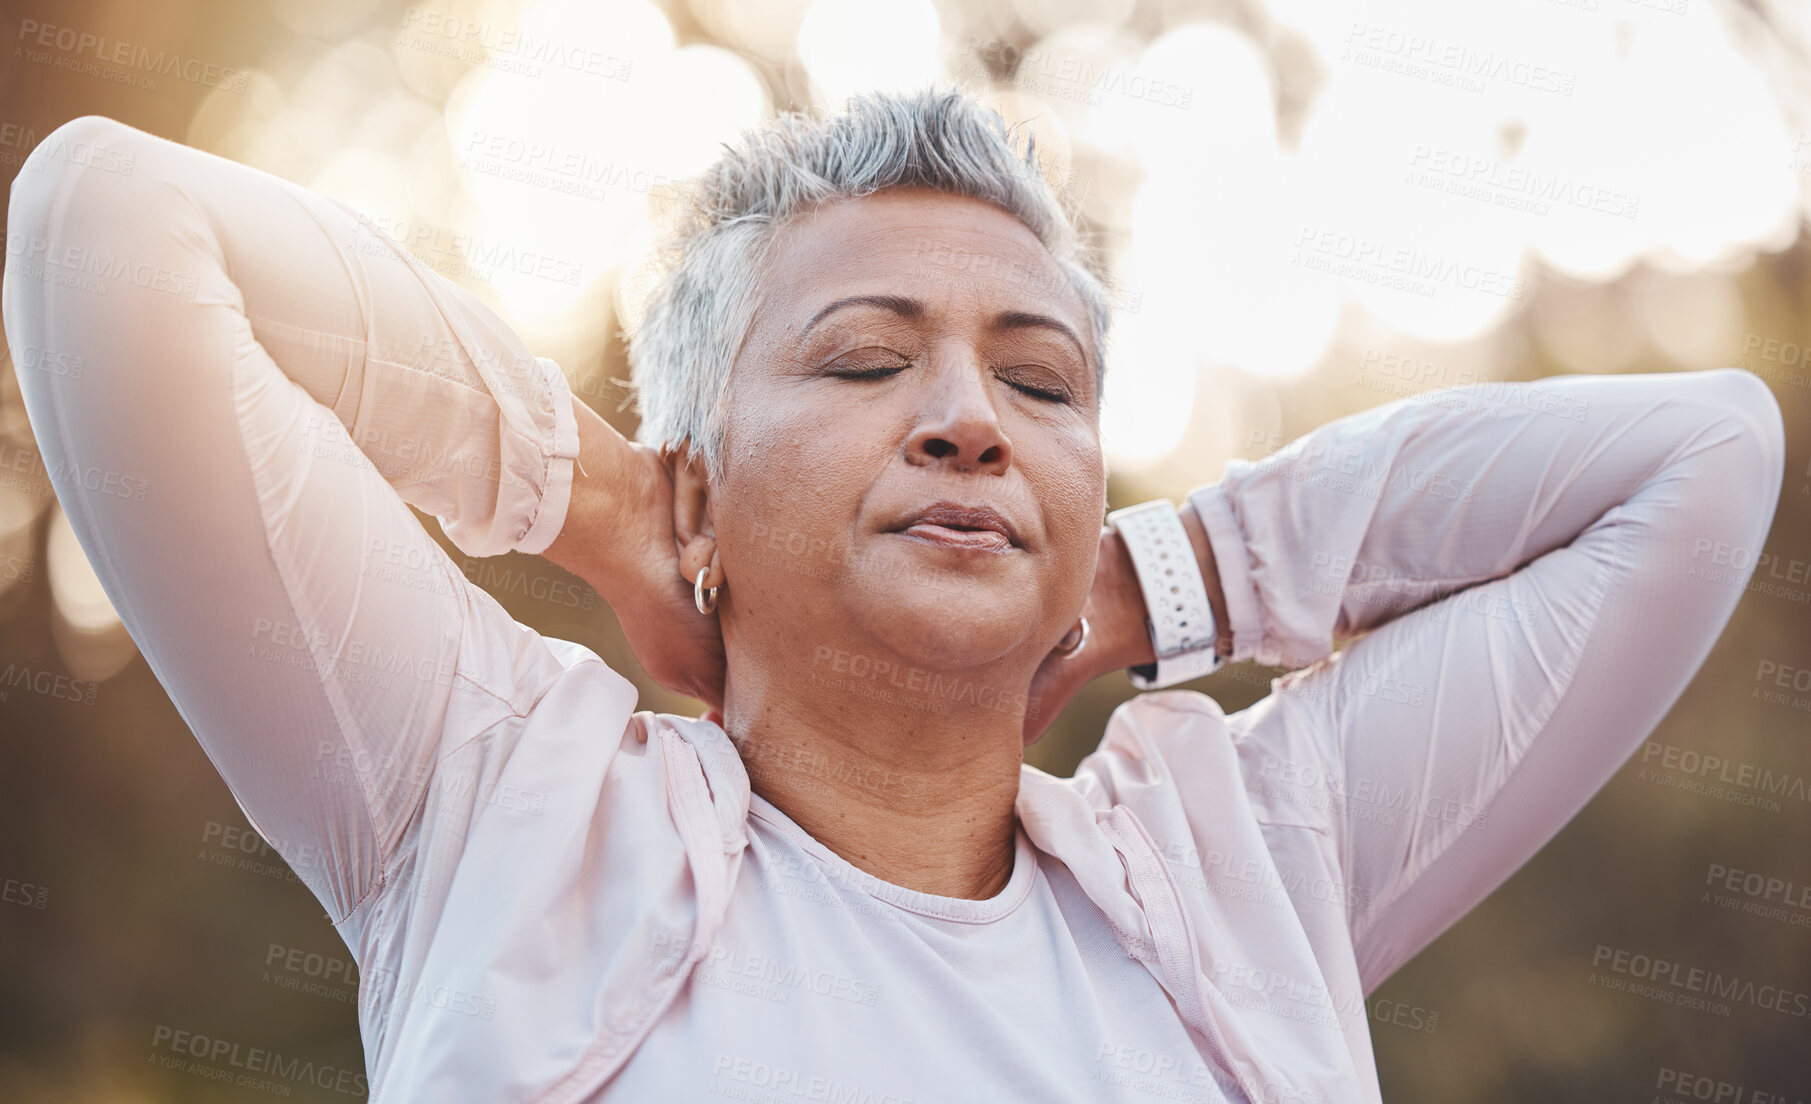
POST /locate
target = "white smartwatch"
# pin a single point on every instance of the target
(1175, 596)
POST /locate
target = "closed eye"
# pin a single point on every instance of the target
(1013, 379)
(870, 362)
(880, 371)
(1051, 393)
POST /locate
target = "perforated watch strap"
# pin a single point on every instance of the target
(1181, 621)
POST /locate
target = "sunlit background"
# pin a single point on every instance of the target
(1307, 208)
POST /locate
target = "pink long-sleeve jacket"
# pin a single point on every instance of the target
(544, 907)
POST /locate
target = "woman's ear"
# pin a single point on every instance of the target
(694, 535)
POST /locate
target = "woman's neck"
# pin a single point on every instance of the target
(908, 774)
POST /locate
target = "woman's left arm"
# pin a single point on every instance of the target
(1542, 567)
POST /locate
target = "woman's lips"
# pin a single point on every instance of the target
(984, 540)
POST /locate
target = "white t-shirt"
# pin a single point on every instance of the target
(554, 897)
(833, 985)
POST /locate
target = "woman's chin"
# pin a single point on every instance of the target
(951, 631)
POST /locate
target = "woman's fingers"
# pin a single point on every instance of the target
(680, 648)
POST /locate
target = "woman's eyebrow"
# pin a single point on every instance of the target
(908, 308)
(1020, 320)
(912, 308)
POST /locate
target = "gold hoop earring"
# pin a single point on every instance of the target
(705, 604)
(1077, 646)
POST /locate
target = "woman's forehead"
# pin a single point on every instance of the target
(921, 244)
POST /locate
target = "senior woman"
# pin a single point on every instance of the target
(865, 527)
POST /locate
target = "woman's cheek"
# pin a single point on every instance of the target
(788, 515)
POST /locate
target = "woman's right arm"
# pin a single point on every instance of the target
(267, 384)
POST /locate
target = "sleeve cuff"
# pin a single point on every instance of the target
(560, 454)
(1232, 562)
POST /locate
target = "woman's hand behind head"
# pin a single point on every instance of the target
(680, 648)
(1117, 638)
(619, 536)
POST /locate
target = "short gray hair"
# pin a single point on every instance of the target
(706, 272)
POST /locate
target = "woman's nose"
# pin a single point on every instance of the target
(961, 430)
